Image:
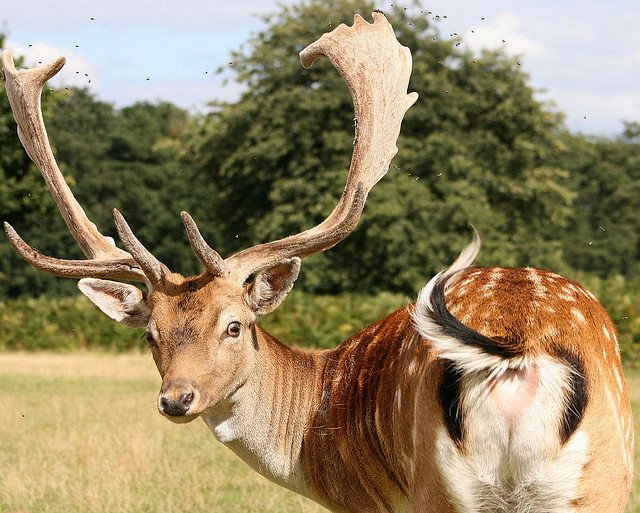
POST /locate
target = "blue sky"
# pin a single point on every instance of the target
(584, 54)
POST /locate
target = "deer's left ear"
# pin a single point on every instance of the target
(271, 286)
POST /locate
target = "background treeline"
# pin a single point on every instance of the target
(477, 148)
(72, 323)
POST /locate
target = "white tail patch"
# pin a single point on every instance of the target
(509, 463)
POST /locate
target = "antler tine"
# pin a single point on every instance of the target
(123, 269)
(377, 70)
(24, 90)
(152, 267)
(211, 260)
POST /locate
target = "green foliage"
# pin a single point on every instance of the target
(621, 298)
(60, 324)
(63, 324)
(20, 185)
(477, 148)
(128, 159)
(604, 235)
(473, 150)
(325, 321)
(22, 193)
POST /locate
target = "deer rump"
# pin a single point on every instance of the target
(511, 406)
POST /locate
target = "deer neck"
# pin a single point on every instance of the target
(264, 420)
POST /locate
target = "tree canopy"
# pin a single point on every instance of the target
(477, 148)
(474, 150)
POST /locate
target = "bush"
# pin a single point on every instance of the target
(71, 323)
(622, 299)
(63, 324)
(325, 321)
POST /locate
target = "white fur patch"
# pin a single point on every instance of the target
(538, 286)
(618, 379)
(578, 315)
(566, 295)
(614, 408)
(521, 467)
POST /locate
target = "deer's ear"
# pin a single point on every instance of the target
(122, 302)
(271, 286)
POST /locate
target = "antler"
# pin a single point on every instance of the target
(24, 89)
(377, 69)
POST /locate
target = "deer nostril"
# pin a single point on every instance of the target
(187, 398)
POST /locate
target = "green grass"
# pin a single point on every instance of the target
(79, 433)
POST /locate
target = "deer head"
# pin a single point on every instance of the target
(201, 328)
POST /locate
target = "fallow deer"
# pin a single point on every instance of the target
(499, 390)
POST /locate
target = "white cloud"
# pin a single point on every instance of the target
(504, 31)
(76, 72)
(586, 113)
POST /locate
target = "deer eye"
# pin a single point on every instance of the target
(233, 330)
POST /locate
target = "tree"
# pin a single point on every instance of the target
(474, 149)
(20, 185)
(604, 236)
(24, 198)
(131, 160)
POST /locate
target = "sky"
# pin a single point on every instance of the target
(583, 55)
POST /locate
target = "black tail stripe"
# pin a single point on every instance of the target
(450, 401)
(454, 328)
(577, 398)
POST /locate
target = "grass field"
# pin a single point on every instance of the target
(80, 433)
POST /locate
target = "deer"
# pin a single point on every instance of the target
(498, 390)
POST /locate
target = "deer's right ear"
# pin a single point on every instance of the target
(122, 302)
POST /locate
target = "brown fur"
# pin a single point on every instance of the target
(352, 411)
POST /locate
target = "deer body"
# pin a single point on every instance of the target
(381, 423)
(499, 390)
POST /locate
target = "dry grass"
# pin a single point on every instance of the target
(79, 432)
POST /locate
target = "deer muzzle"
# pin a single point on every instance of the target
(179, 400)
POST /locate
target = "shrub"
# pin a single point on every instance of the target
(64, 324)
(71, 323)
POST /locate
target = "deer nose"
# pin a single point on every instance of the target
(176, 406)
